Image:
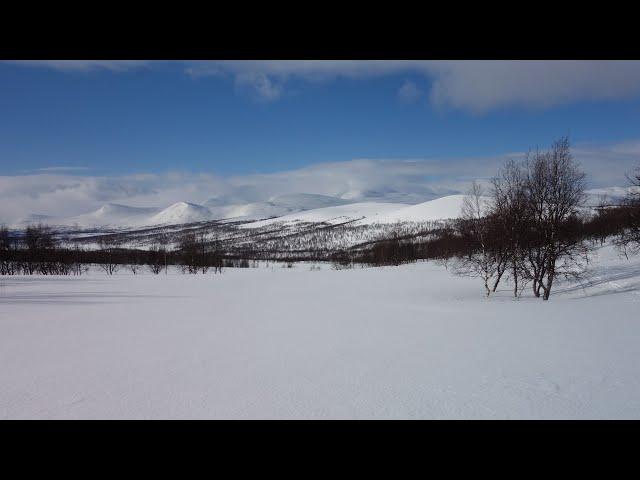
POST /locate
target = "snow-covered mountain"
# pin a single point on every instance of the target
(108, 215)
(123, 216)
(291, 208)
(294, 208)
(181, 212)
(274, 207)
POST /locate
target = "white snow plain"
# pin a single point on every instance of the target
(394, 342)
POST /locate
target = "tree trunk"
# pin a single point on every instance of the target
(547, 288)
(495, 284)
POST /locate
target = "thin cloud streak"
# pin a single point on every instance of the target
(85, 65)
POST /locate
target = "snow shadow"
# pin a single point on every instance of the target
(613, 280)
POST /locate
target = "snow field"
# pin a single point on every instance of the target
(394, 342)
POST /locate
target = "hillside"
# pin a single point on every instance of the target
(181, 212)
(110, 214)
(439, 209)
(335, 214)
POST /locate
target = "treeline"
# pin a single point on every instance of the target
(439, 243)
(39, 252)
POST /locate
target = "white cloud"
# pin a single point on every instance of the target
(411, 181)
(409, 92)
(61, 169)
(480, 86)
(309, 70)
(264, 87)
(473, 85)
(85, 65)
(67, 195)
(477, 86)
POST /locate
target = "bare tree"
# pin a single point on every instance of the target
(480, 261)
(216, 255)
(189, 252)
(509, 209)
(553, 246)
(157, 258)
(629, 238)
(108, 246)
(135, 265)
(7, 248)
(77, 267)
(203, 260)
(533, 227)
(40, 246)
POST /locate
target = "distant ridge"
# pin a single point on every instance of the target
(296, 207)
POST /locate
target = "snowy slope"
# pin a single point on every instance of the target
(180, 212)
(336, 214)
(387, 345)
(274, 207)
(439, 209)
(111, 214)
(377, 213)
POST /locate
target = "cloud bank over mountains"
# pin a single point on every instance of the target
(61, 193)
(476, 86)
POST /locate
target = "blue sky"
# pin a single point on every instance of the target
(77, 134)
(158, 117)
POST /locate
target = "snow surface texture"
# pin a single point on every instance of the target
(395, 342)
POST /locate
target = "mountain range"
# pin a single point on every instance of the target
(299, 207)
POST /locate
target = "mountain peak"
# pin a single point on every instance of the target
(182, 212)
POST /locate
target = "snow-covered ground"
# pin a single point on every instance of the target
(396, 342)
(438, 209)
(334, 214)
